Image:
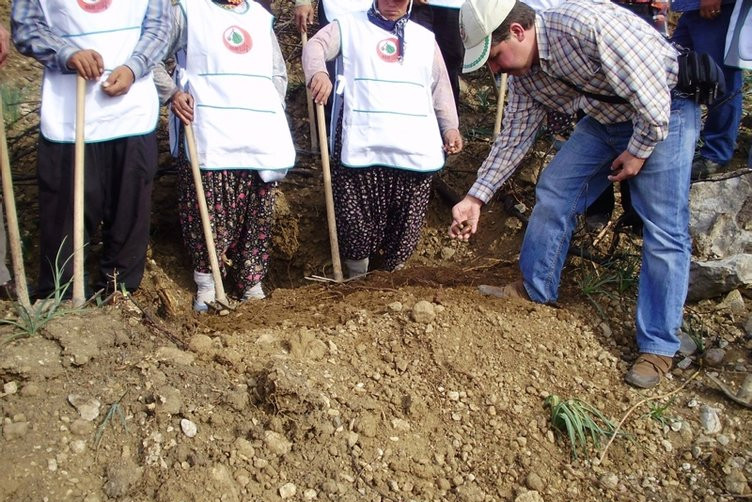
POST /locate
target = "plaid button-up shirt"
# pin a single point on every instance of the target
(602, 49)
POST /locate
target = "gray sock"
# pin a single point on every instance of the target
(356, 268)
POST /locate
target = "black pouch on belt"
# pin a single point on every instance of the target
(700, 77)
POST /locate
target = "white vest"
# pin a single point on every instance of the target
(113, 29)
(388, 117)
(334, 9)
(239, 121)
(452, 4)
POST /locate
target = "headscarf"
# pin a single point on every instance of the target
(396, 27)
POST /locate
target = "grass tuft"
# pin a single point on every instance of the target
(30, 320)
(579, 422)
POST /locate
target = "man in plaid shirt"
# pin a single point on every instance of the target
(595, 56)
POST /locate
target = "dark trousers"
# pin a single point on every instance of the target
(445, 24)
(118, 182)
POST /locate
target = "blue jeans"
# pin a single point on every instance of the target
(722, 123)
(660, 195)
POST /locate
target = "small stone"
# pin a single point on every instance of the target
(609, 481)
(122, 476)
(78, 446)
(748, 327)
(188, 428)
(723, 440)
(734, 302)
(87, 408)
(288, 490)
(531, 496)
(15, 431)
(352, 438)
(606, 330)
(667, 445)
(453, 395)
(310, 494)
(395, 307)
(10, 388)
(714, 357)
(424, 312)
(684, 363)
(170, 402)
(710, 420)
(31, 390)
(51, 464)
(201, 344)
(244, 449)
(367, 425)
(81, 427)
(736, 483)
(277, 443)
(687, 345)
(447, 253)
(401, 425)
(172, 355)
(330, 486)
(444, 485)
(534, 482)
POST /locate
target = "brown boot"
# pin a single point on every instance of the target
(647, 370)
(513, 290)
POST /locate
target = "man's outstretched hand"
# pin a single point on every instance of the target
(465, 216)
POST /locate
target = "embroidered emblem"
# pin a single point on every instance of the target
(388, 50)
(94, 6)
(237, 40)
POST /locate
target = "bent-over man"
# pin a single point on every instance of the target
(582, 55)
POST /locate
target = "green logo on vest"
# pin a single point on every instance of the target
(388, 50)
(237, 40)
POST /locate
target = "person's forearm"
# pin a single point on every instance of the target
(166, 86)
(322, 47)
(151, 47)
(33, 37)
(522, 116)
(443, 97)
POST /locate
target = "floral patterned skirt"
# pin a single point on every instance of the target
(379, 210)
(240, 211)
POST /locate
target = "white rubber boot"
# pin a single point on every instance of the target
(204, 291)
(356, 268)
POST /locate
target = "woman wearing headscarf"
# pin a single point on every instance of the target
(230, 84)
(393, 110)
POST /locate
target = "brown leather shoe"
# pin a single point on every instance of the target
(648, 369)
(513, 290)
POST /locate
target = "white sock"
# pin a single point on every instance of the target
(255, 292)
(204, 287)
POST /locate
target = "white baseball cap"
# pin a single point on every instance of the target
(478, 19)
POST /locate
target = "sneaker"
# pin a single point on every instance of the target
(647, 370)
(702, 168)
(513, 290)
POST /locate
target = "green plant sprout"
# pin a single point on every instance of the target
(577, 421)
